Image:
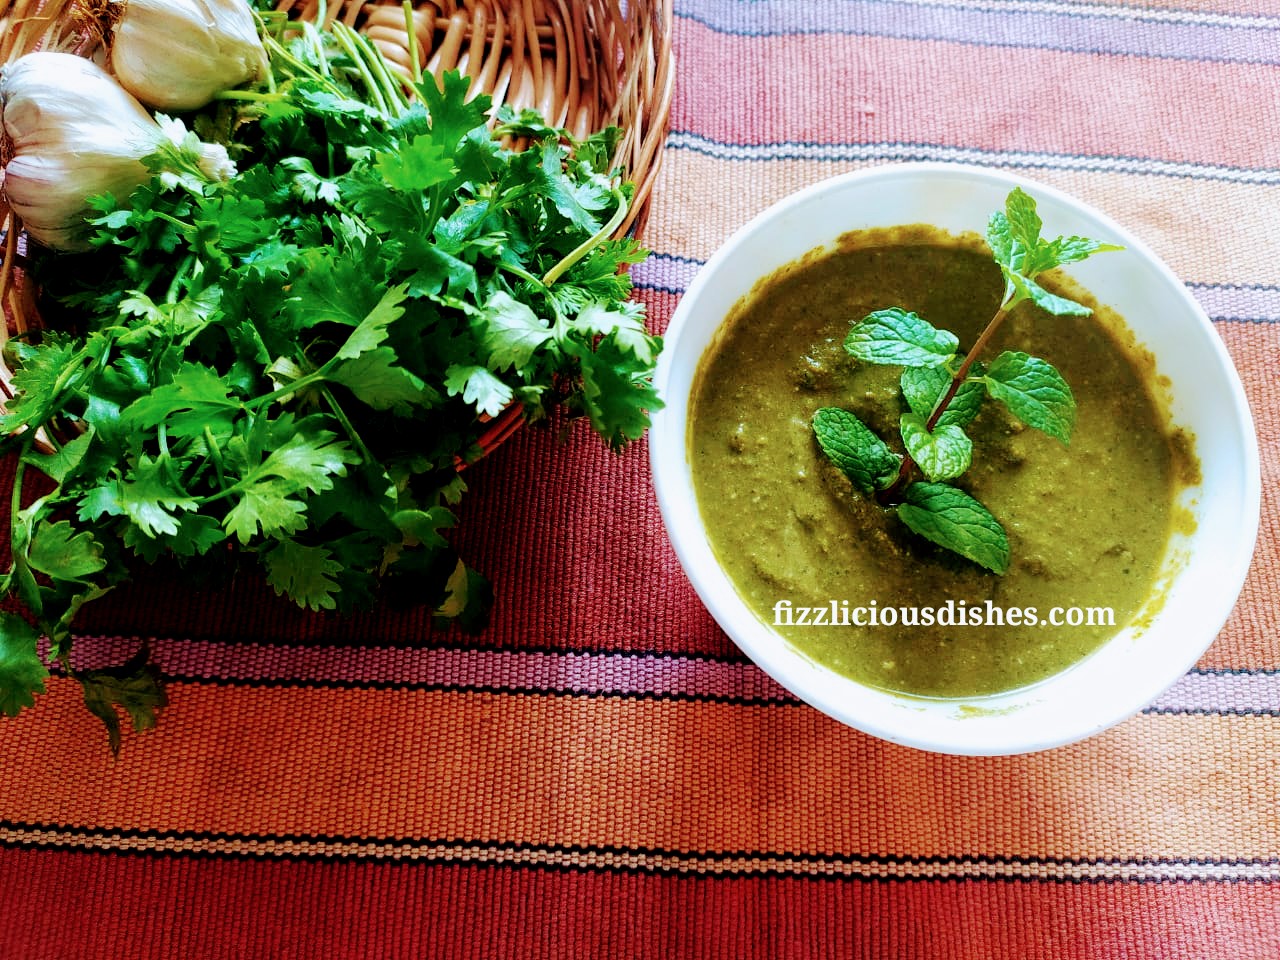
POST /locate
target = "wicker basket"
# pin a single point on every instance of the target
(583, 64)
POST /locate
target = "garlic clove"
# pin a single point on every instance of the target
(178, 54)
(71, 132)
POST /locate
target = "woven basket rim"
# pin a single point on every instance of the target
(583, 65)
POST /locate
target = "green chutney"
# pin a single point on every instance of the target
(1087, 524)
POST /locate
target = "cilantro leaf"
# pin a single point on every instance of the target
(372, 328)
(617, 392)
(135, 686)
(414, 166)
(479, 387)
(62, 463)
(512, 332)
(39, 378)
(576, 201)
(956, 521)
(376, 378)
(894, 336)
(625, 325)
(22, 673)
(150, 499)
(453, 116)
(268, 508)
(57, 550)
(195, 399)
(305, 573)
(862, 456)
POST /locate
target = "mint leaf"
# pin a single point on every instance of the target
(22, 674)
(1034, 392)
(1014, 238)
(1024, 223)
(1000, 239)
(923, 387)
(957, 522)
(1074, 249)
(306, 574)
(897, 337)
(943, 454)
(861, 455)
(1049, 302)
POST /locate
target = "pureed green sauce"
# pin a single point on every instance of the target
(1087, 525)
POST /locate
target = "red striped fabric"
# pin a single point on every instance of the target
(601, 773)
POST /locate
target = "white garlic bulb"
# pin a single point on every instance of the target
(71, 132)
(177, 54)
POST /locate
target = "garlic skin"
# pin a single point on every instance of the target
(71, 132)
(177, 54)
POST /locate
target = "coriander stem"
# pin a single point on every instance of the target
(336, 409)
(582, 249)
(340, 33)
(411, 40)
(250, 95)
(378, 64)
(215, 455)
(299, 384)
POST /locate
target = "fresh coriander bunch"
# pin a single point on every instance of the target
(288, 367)
(944, 390)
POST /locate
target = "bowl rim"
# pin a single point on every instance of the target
(772, 653)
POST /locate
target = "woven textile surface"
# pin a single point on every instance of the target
(601, 773)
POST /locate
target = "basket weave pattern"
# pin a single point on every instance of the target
(582, 65)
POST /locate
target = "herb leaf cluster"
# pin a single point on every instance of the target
(294, 362)
(944, 390)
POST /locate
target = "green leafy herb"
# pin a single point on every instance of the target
(951, 518)
(288, 367)
(896, 337)
(1034, 392)
(944, 392)
(865, 459)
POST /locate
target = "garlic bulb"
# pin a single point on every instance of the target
(176, 54)
(71, 132)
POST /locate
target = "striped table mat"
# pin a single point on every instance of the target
(601, 774)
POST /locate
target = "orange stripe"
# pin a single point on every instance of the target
(662, 775)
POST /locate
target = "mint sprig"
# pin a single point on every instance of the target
(945, 391)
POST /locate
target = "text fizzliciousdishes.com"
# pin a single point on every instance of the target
(953, 613)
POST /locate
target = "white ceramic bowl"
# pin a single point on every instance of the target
(1203, 571)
